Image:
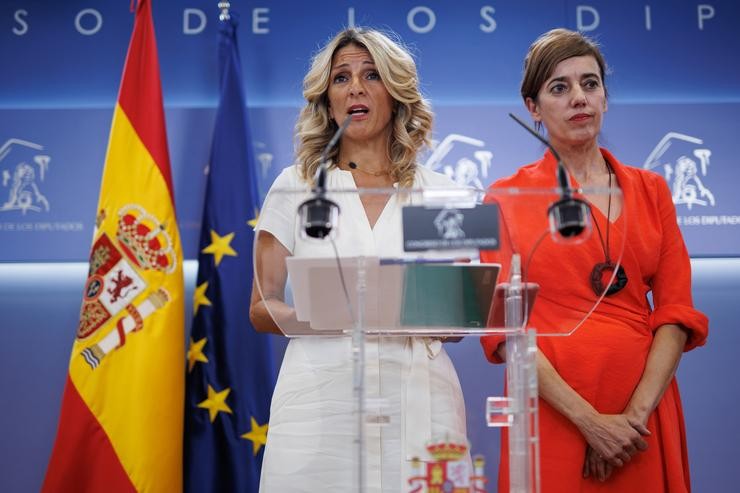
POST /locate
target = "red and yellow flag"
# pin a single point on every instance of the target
(120, 427)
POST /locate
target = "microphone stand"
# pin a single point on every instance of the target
(318, 217)
(320, 179)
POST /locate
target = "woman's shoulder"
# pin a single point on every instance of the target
(529, 175)
(426, 177)
(289, 177)
(647, 176)
(630, 175)
(645, 186)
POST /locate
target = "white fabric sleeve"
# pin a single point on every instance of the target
(279, 212)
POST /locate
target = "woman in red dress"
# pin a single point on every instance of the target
(610, 411)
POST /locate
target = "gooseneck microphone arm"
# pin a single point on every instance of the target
(318, 214)
(568, 215)
(562, 173)
(320, 178)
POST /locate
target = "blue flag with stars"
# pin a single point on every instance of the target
(230, 372)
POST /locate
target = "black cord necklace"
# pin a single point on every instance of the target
(597, 273)
(354, 167)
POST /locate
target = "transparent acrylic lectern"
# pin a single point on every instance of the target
(368, 308)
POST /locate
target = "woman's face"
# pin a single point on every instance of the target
(572, 102)
(355, 89)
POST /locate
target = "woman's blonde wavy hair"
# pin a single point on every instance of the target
(412, 114)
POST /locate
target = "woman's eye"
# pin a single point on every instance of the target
(558, 89)
(340, 78)
(591, 84)
(373, 75)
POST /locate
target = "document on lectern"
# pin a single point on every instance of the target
(400, 296)
(325, 292)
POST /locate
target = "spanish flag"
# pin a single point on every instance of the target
(121, 423)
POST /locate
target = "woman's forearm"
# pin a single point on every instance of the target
(267, 308)
(263, 318)
(662, 362)
(556, 391)
(614, 438)
(561, 396)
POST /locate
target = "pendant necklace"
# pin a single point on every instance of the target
(597, 273)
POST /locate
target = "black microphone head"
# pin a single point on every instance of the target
(318, 216)
(352, 165)
(569, 218)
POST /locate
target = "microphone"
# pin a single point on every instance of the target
(568, 215)
(318, 214)
(352, 165)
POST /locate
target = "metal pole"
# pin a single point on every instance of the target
(358, 360)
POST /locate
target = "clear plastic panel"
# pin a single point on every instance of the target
(437, 292)
(376, 312)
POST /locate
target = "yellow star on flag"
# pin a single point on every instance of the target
(195, 352)
(258, 435)
(220, 246)
(200, 298)
(216, 402)
(253, 222)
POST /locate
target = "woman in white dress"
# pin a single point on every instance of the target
(310, 445)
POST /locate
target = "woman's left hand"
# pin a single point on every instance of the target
(635, 416)
(596, 466)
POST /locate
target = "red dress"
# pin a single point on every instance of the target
(604, 359)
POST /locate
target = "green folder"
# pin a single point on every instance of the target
(448, 295)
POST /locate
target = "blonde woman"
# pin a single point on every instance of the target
(365, 74)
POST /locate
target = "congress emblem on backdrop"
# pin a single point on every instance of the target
(116, 279)
(264, 157)
(23, 167)
(684, 162)
(470, 169)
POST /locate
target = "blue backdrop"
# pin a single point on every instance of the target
(673, 88)
(674, 95)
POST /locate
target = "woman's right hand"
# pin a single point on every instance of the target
(596, 467)
(614, 437)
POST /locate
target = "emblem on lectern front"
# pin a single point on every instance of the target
(449, 472)
(449, 224)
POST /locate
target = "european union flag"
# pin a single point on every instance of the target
(230, 372)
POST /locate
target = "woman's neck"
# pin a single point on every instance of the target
(371, 156)
(371, 162)
(585, 163)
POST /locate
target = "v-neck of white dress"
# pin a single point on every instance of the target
(349, 182)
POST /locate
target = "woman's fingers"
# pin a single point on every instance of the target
(639, 427)
(616, 461)
(596, 466)
(608, 469)
(601, 469)
(640, 443)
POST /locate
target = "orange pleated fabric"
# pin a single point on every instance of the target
(604, 359)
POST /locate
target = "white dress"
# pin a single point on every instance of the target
(310, 444)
